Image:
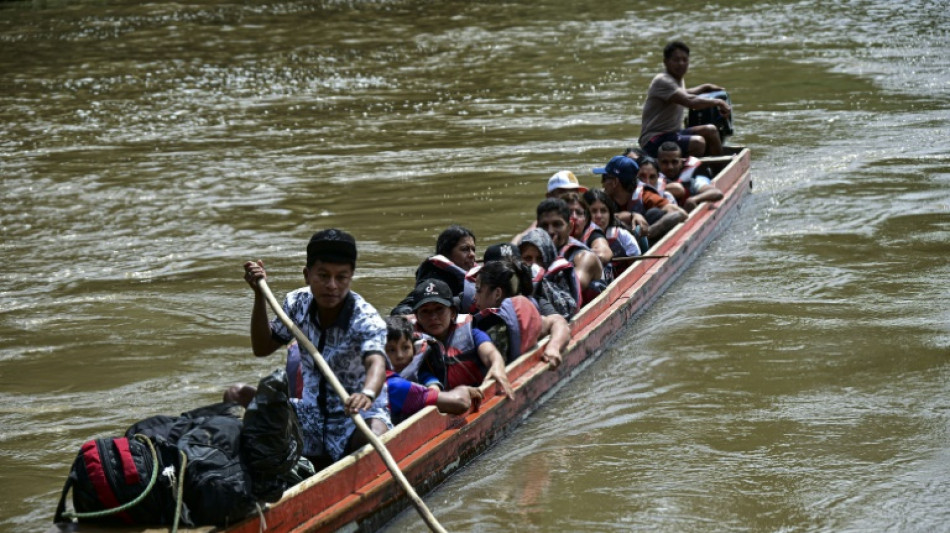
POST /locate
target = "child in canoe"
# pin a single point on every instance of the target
(465, 354)
(405, 350)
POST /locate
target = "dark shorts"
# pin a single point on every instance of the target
(681, 138)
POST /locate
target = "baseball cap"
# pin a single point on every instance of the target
(432, 290)
(497, 252)
(565, 179)
(332, 246)
(621, 167)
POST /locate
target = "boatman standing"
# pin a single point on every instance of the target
(668, 97)
(348, 333)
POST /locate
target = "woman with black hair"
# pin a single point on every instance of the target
(454, 257)
(621, 240)
(511, 317)
(585, 230)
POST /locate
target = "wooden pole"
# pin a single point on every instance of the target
(360, 423)
(630, 259)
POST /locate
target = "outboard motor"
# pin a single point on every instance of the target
(711, 115)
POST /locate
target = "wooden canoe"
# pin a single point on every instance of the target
(358, 494)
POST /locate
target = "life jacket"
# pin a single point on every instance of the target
(594, 289)
(559, 285)
(456, 362)
(686, 174)
(689, 168)
(591, 228)
(636, 201)
(613, 240)
(523, 322)
(453, 275)
(571, 248)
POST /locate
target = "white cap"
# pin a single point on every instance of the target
(565, 179)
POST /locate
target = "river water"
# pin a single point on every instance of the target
(795, 379)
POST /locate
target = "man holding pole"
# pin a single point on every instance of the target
(349, 335)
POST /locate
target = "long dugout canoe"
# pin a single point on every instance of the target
(358, 493)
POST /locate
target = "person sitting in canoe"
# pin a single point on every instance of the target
(454, 257)
(554, 217)
(405, 349)
(350, 335)
(511, 316)
(683, 178)
(553, 277)
(585, 230)
(620, 182)
(651, 181)
(465, 354)
(622, 242)
(667, 99)
(560, 183)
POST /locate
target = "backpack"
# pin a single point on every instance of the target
(124, 473)
(559, 286)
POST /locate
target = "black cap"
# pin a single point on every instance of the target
(332, 246)
(497, 252)
(432, 290)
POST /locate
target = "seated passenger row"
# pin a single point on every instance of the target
(464, 321)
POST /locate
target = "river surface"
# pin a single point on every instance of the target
(797, 378)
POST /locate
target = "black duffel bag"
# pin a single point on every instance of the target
(206, 466)
(271, 443)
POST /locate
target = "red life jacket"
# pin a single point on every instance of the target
(591, 228)
(572, 247)
(456, 362)
(523, 322)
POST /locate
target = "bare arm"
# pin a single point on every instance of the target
(261, 341)
(557, 327)
(633, 220)
(659, 228)
(459, 400)
(693, 101)
(673, 208)
(492, 359)
(602, 250)
(588, 268)
(705, 88)
(710, 194)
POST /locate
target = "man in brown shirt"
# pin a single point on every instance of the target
(667, 99)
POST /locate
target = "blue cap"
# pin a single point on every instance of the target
(621, 167)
